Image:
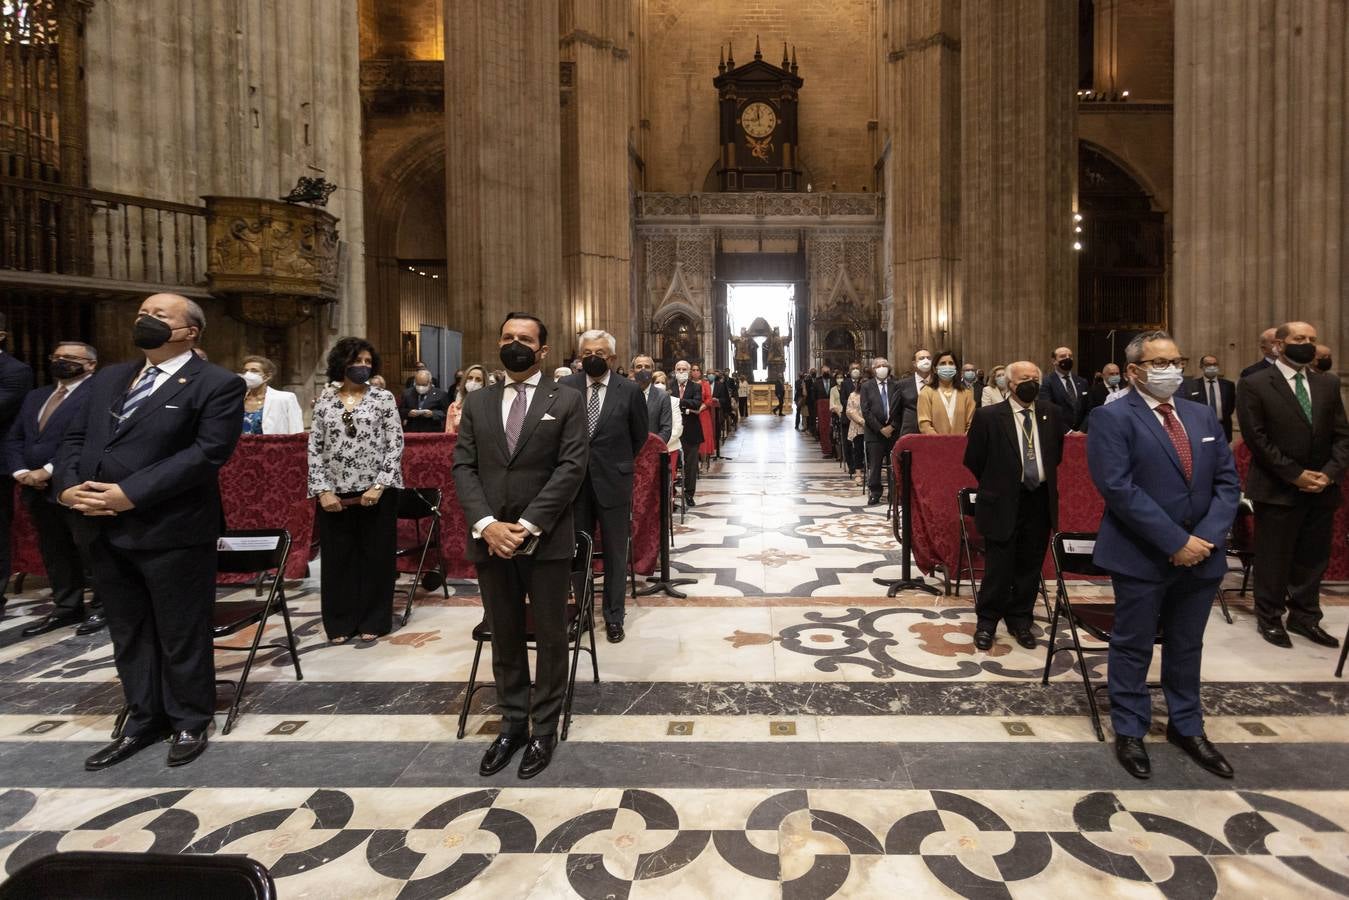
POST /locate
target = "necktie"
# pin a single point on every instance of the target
(57, 396)
(885, 395)
(1212, 397)
(593, 408)
(1178, 439)
(1030, 471)
(1069, 390)
(138, 394)
(1304, 399)
(515, 419)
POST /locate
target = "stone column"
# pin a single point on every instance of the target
(502, 169)
(1261, 186)
(922, 193)
(596, 196)
(1018, 133)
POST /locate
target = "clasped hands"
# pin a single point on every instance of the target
(1310, 482)
(1195, 551)
(37, 479)
(504, 538)
(330, 502)
(96, 498)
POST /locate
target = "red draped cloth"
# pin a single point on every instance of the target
(428, 462)
(265, 484)
(822, 419)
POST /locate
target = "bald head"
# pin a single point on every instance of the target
(185, 321)
(1267, 341)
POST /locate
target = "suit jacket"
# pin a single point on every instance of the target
(907, 418)
(692, 395)
(1196, 389)
(722, 391)
(779, 390)
(538, 482)
(877, 415)
(165, 457)
(280, 413)
(620, 434)
(436, 400)
(1257, 367)
(1150, 509)
(659, 415)
(1282, 441)
(25, 447)
(16, 380)
(993, 455)
(1051, 389)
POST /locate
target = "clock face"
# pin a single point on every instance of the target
(758, 119)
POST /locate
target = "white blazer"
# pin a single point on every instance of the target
(281, 413)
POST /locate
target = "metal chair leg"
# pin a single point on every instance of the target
(468, 691)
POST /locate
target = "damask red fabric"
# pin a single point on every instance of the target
(23, 549)
(428, 462)
(264, 485)
(822, 419)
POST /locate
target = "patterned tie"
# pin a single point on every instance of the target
(1178, 439)
(1304, 399)
(515, 419)
(593, 408)
(1213, 398)
(1030, 472)
(1070, 390)
(57, 396)
(138, 394)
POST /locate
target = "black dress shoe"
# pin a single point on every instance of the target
(873, 500)
(124, 747)
(186, 746)
(500, 753)
(49, 623)
(1314, 633)
(1201, 750)
(689, 502)
(1025, 638)
(1133, 756)
(983, 639)
(1275, 635)
(95, 622)
(538, 754)
(614, 633)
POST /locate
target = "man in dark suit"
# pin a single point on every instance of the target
(882, 405)
(1267, 354)
(1069, 392)
(659, 415)
(1165, 472)
(424, 405)
(721, 392)
(616, 422)
(142, 462)
(1217, 393)
(1014, 450)
(520, 459)
(910, 386)
(779, 396)
(16, 380)
(1293, 420)
(691, 405)
(30, 457)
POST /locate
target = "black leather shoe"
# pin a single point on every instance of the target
(49, 623)
(983, 639)
(1025, 638)
(95, 622)
(1314, 633)
(1275, 635)
(689, 502)
(500, 753)
(1133, 756)
(873, 500)
(1200, 749)
(538, 754)
(124, 747)
(614, 633)
(186, 746)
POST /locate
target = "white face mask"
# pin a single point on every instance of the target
(471, 386)
(924, 366)
(856, 374)
(1162, 383)
(422, 388)
(882, 372)
(681, 377)
(254, 380)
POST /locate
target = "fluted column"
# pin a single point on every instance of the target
(502, 166)
(1018, 131)
(1260, 224)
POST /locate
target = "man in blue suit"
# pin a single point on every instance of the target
(30, 457)
(1164, 469)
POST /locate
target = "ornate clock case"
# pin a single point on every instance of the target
(758, 111)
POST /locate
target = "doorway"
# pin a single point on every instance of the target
(762, 320)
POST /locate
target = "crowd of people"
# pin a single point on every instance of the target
(117, 466)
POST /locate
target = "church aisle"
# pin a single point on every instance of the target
(787, 731)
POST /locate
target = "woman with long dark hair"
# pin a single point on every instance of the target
(946, 405)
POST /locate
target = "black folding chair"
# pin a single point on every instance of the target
(1241, 547)
(140, 876)
(418, 505)
(972, 545)
(580, 620)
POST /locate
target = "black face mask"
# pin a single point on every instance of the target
(516, 357)
(149, 333)
(594, 366)
(1325, 363)
(1300, 353)
(1027, 391)
(358, 374)
(1066, 365)
(642, 377)
(62, 369)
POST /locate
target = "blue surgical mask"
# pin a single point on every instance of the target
(946, 373)
(1210, 371)
(1001, 382)
(971, 377)
(1112, 380)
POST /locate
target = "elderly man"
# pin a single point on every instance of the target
(1018, 501)
(616, 422)
(883, 403)
(1325, 360)
(1067, 391)
(424, 405)
(1112, 386)
(1267, 353)
(141, 462)
(1165, 471)
(659, 411)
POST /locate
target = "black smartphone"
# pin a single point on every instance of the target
(528, 547)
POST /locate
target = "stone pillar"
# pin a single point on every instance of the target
(596, 196)
(502, 169)
(922, 172)
(1018, 132)
(1261, 178)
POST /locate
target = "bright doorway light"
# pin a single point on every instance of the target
(776, 305)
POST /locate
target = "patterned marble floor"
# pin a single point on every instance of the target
(786, 731)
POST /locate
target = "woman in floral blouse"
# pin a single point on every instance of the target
(355, 470)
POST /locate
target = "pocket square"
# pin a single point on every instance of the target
(168, 406)
(1207, 439)
(548, 417)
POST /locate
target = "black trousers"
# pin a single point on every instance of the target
(778, 403)
(158, 604)
(744, 407)
(356, 577)
(505, 583)
(6, 521)
(1292, 550)
(800, 412)
(877, 450)
(1012, 567)
(859, 454)
(690, 467)
(64, 538)
(615, 527)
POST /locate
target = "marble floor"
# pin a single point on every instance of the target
(785, 731)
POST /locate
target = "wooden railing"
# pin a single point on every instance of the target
(58, 229)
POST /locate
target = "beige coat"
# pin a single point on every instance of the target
(932, 417)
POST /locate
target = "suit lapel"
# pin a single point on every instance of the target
(1144, 412)
(1009, 425)
(495, 397)
(176, 382)
(610, 400)
(544, 395)
(1285, 388)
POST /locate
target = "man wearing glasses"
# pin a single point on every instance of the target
(30, 456)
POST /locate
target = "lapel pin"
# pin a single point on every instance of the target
(182, 381)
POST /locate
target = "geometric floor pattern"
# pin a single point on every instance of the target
(785, 731)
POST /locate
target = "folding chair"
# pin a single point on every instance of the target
(105, 874)
(1241, 547)
(580, 620)
(416, 505)
(972, 544)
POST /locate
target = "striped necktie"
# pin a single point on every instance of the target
(143, 388)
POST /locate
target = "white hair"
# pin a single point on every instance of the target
(596, 334)
(561, 372)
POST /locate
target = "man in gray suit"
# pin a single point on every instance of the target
(659, 412)
(520, 459)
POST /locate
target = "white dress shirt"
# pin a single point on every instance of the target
(1204, 386)
(1153, 403)
(603, 382)
(1289, 373)
(167, 369)
(70, 389)
(1116, 394)
(507, 398)
(1017, 408)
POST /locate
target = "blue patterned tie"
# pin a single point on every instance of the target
(144, 387)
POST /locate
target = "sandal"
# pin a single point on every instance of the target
(369, 638)
(341, 639)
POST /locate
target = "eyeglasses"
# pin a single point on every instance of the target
(62, 358)
(350, 422)
(1180, 362)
